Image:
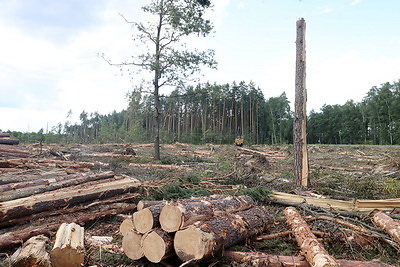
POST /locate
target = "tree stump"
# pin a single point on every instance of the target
(68, 250)
(32, 253)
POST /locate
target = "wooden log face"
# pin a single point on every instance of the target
(131, 244)
(157, 245)
(32, 253)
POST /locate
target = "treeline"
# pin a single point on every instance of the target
(212, 113)
(374, 120)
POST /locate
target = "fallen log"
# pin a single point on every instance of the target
(157, 245)
(142, 204)
(9, 141)
(177, 215)
(15, 149)
(32, 253)
(161, 166)
(11, 238)
(264, 259)
(49, 184)
(314, 252)
(387, 224)
(18, 175)
(204, 239)
(69, 249)
(131, 244)
(2, 135)
(34, 163)
(65, 197)
(147, 218)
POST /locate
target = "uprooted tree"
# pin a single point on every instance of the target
(166, 56)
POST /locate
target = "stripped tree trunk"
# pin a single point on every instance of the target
(32, 253)
(157, 245)
(179, 215)
(314, 252)
(69, 249)
(204, 239)
(387, 224)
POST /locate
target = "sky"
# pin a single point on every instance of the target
(49, 61)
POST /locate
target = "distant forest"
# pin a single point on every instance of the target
(212, 113)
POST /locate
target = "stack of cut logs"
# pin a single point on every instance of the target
(199, 228)
(10, 148)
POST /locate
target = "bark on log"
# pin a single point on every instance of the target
(12, 238)
(51, 184)
(263, 259)
(387, 224)
(62, 197)
(314, 252)
(126, 226)
(2, 135)
(32, 253)
(34, 163)
(179, 215)
(142, 204)
(148, 218)
(14, 149)
(132, 245)
(9, 141)
(69, 249)
(157, 245)
(204, 239)
(29, 175)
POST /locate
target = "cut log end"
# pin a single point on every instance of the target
(171, 218)
(198, 247)
(131, 244)
(156, 246)
(126, 226)
(143, 220)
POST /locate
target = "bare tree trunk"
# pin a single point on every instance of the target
(388, 225)
(300, 114)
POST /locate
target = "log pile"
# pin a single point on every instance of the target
(10, 148)
(192, 229)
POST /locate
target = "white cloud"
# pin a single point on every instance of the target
(241, 5)
(327, 10)
(355, 2)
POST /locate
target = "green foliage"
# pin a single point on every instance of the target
(175, 191)
(259, 194)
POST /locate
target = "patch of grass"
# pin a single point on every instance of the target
(175, 191)
(191, 178)
(259, 194)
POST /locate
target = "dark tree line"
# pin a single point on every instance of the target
(213, 113)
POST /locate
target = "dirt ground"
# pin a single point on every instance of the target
(338, 172)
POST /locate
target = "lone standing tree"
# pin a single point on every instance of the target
(167, 57)
(300, 112)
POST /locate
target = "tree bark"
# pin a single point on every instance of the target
(314, 252)
(9, 141)
(157, 245)
(387, 224)
(142, 204)
(131, 244)
(49, 185)
(204, 239)
(32, 253)
(179, 215)
(69, 249)
(65, 197)
(300, 112)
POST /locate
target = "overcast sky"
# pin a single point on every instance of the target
(49, 63)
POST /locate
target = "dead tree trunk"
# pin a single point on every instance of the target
(179, 215)
(157, 245)
(32, 253)
(69, 249)
(387, 224)
(204, 239)
(314, 252)
(300, 111)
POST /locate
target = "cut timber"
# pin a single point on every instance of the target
(358, 205)
(142, 204)
(157, 245)
(131, 244)
(147, 218)
(314, 252)
(9, 141)
(68, 250)
(50, 184)
(387, 224)
(32, 253)
(179, 215)
(65, 197)
(161, 166)
(204, 239)
(126, 226)
(263, 259)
